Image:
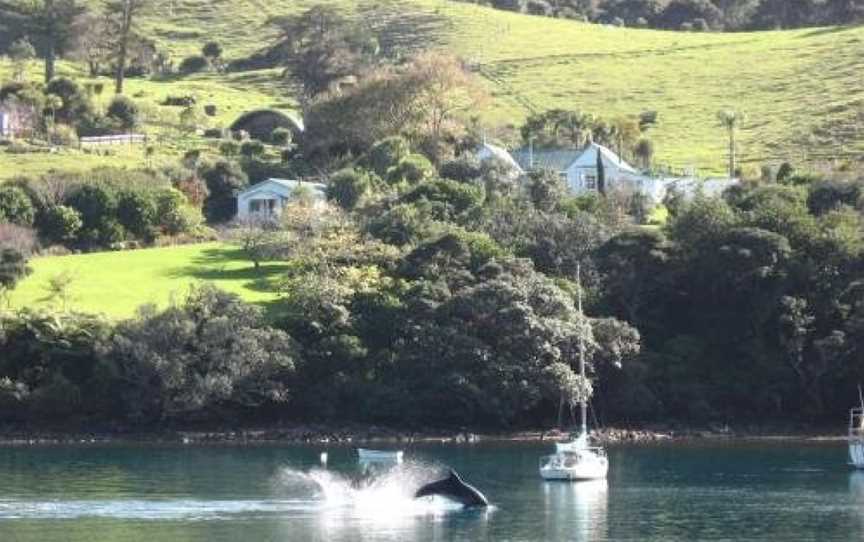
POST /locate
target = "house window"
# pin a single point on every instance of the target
(590, 182)
(262, 206)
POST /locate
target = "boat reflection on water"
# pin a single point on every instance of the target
(577, 511)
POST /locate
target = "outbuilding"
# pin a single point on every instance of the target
(269, 198)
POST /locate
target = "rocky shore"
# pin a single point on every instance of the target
(355, 434)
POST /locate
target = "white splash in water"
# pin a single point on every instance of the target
(378, 496)
(387, 493)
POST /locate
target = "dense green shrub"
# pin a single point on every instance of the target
(60, 224)
(193, 64)
(252, 148)
(175, 214)
(210, 356)
(212, 49)
(348, 186)
(137, 213)
(51, 370)
(124, 111)
(63, 134)
(455, 196)
(825, 196)
(413, 169)
(97, 204)
(179, 101)
(13, 267)
(462, 169)
(16, 207)
(281, 136)
(546, 189)
(229, 148)
(386, 154)
(75, 103)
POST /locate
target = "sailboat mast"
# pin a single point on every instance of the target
(583, 404)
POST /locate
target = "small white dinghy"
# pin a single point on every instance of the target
(367, 455)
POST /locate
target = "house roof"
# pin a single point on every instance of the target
(588, 158)
(500, 154)
(554, 159)
(564, 159)
(284, 186)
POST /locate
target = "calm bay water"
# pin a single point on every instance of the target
(775, 491)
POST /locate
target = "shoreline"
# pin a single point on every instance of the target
(352, 435)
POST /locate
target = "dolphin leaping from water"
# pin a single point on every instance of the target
(454, 489)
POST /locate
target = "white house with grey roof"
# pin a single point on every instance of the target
(268, 198)
(578, 168)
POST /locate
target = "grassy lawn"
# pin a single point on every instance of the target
(800, 88)
(117, 283)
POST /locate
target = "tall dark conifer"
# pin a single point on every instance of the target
(601, 173)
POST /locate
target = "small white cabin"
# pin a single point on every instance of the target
(268, 198)
(5, 124)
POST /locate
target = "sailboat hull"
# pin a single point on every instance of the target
(590, 464)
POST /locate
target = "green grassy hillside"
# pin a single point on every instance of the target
(117, 283)
(802, 89)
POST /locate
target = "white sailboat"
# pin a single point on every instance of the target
(576, 460)
(856, 434)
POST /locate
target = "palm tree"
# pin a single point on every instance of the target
(732, 121)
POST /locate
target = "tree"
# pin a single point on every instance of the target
(93, 42)
(347, 187)
(121, 17)
(74, 105)
(257, 237)
(699, 223)
(844, 11)
(136, 212)
(732, 121)
(60, 224)
(323, 47)
(52, 22)
(13, 267)
(224, 181)
(16, 206)
(124, 111)
(601, 173)
(21, 52)
(567, 386)
(680, 12)
(97, 205)
(636, 268)
(546, 189)
(59, 288)
(444, 89)
(193, 360)
(784, 13)
(212, 51)
(633, 10)
(645, 152)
